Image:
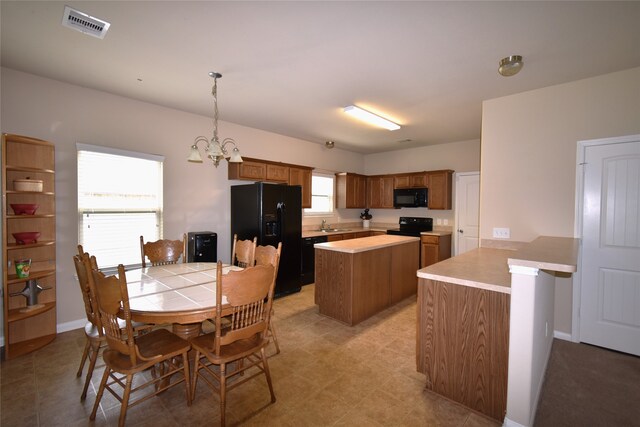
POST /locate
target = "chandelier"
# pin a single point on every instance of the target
(215, 149)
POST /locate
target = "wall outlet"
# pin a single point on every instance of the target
(446, 221)
(501, 233)
(438, 221)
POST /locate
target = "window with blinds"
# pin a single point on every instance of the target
(322, 186)
(119, 200)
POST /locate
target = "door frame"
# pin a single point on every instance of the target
(577, 278)
(456, 211)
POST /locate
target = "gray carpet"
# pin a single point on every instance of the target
(589, 386)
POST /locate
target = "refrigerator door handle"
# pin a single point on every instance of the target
(281, 209)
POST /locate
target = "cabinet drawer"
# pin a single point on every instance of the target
(430, 240)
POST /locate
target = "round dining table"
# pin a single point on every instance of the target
(181, 294)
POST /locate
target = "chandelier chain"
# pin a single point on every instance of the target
(214, 92)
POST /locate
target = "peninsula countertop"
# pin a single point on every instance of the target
(366, 243)
(483, 268)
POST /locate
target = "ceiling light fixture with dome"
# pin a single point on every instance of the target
(511, 65)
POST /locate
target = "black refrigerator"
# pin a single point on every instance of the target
(272, 213)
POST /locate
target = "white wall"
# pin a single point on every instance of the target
(196, 196)
(528, 160)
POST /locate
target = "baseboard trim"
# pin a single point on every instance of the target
(562, 335)
(70, 326)
(510, 423)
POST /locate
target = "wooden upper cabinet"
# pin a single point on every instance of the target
(351, 191)
(253, 170)
(266, 170)
(302, 177)
(277, 173)
(411, 180)
(380, 191)
(440, 189)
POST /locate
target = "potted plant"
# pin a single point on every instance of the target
(365, 217)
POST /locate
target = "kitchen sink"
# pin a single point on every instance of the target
(330, 230)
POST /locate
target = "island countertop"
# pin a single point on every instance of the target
(363, 244)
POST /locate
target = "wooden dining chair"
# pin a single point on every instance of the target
(163, 252)
(270, 255)
(243, 252)
(249, 295)
(128, 355)
(94, 336)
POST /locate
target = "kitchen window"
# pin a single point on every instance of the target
(322, 191)
(119, 200)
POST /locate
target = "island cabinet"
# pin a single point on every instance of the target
(463, 329)
(355, 279)
(440, 189)
(351, 191)
(28, 205)
(380, 191)
(435, 248)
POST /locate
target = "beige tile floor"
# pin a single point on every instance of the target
(327, 374)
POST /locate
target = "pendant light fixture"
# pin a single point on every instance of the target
(511, 65)
(215, 149)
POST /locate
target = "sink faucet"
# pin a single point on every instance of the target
(324, 224)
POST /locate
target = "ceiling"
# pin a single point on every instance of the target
(290, 67)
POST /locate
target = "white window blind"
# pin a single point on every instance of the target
(119, 200)
(322, 188)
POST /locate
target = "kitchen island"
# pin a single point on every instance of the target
(357, 278)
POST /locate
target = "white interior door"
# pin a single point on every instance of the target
(610, 277)
(467, 212)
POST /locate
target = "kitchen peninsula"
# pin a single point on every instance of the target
(357, 278)
(485, 322)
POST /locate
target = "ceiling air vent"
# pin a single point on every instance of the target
(84, 23)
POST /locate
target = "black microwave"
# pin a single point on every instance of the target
(410, 198)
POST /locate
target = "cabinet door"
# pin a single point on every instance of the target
(402, 181)
(428, 255)
(419, 180)
(440, 184)
(248, 169)
(277, 173)
(351, 191)
(374, 191)
(302, 177)
(387, 192)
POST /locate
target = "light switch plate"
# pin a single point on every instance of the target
(501, 233)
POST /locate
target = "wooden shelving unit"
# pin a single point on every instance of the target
(28, 328)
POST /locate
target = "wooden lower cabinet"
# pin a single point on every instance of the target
(434, 249)
(463, 344)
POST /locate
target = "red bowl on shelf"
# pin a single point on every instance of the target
(26, 237)
(24, 209)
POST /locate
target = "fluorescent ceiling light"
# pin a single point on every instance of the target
(370, 118)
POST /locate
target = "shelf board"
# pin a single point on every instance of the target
(12, 278)
(46, 193)
(30, 216)
(27, 169)
(13, 246)
(18, 349)
(15, 314)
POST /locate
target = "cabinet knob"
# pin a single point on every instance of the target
(460, 231)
